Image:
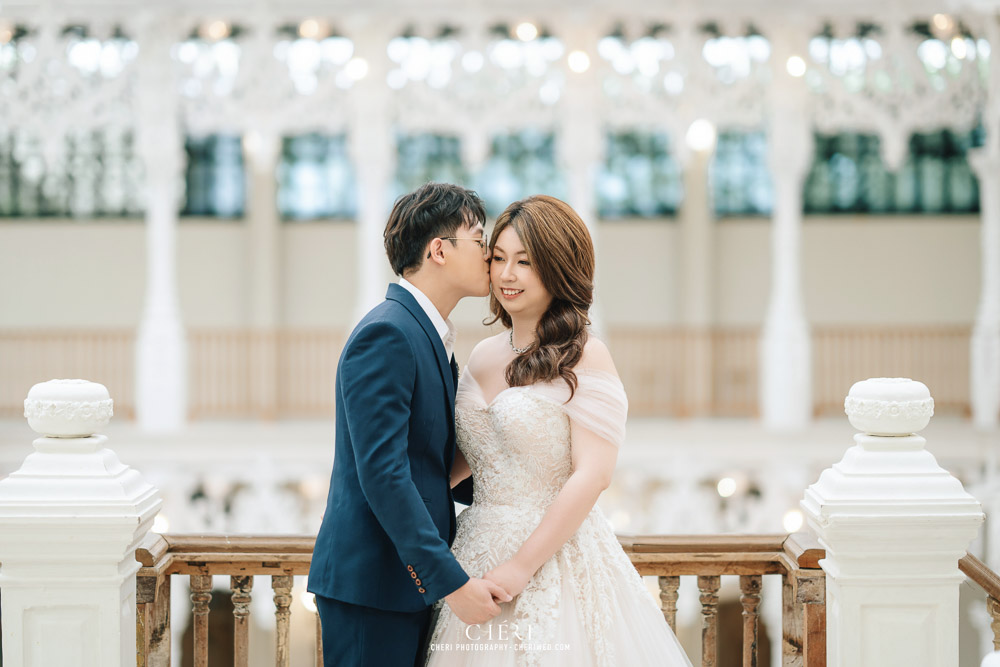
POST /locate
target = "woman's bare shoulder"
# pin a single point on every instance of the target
(597, 357)
(484, 354)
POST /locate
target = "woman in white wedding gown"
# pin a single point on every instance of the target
(540, 414)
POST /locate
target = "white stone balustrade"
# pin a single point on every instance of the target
(894, 525)
(70, 520)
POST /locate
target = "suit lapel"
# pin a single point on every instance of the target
(400, 295)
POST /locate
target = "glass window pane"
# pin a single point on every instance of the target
(739, 174)
(424, 158)
(521, 164)
(316, 178)
(848, 175)
(215, 176)
(94, 174)
(639, 178)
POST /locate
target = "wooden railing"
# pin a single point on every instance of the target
(200, 557)
(668, 371)
(707, 558)
(794, 558)
(989, 581)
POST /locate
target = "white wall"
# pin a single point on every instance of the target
(638, 272)
(64, 275)
(211, 262)
(905, 271)
(855, 271)
(320, 264)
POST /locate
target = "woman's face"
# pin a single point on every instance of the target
(513, 280)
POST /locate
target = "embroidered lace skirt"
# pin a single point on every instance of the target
(586, 606)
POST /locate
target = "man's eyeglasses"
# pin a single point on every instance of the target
(483, 243)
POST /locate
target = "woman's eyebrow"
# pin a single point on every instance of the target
(519, 252)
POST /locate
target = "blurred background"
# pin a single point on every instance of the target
(786, 197)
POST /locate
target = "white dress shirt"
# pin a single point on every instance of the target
(444, 327)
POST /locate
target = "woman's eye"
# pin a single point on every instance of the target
(497, 259)
(525, 262)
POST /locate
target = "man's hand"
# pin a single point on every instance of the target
(510, 576)
(476, 601)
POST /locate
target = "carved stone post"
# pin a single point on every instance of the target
(70, 520)
(894, 525)
(161, 347)
(785, 376)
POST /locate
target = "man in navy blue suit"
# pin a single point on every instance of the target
(382, 556)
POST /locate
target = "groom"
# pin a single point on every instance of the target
(382, 555)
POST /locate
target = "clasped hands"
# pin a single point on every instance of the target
(478, 600)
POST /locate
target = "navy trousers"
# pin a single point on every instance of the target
(356, 636)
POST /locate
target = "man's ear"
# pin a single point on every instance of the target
(434, 251)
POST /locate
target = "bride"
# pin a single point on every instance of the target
(540, 415)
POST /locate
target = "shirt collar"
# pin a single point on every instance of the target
(444, 327)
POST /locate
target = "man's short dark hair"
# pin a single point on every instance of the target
(431, 211)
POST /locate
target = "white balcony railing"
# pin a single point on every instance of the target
(79, 561)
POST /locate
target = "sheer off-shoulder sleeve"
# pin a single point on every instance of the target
(598, 405)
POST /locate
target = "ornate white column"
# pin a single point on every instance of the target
(373, 153)
(894, 525)
(984, 361)
(696, 228)
(580, 142)
(697, 269)
(785, 357)
(262, 148)
(70, 520)
(161, 348)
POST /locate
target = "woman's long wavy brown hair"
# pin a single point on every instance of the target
(561, 252)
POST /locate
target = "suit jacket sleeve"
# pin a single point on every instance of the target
(378, 374)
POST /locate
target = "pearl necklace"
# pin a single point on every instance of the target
(518, 350)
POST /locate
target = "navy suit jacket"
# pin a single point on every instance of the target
(390, 517)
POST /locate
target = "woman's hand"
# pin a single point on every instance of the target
(510, 576)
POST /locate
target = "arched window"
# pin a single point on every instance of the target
(89, 170)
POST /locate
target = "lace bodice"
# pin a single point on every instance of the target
(518, 445)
